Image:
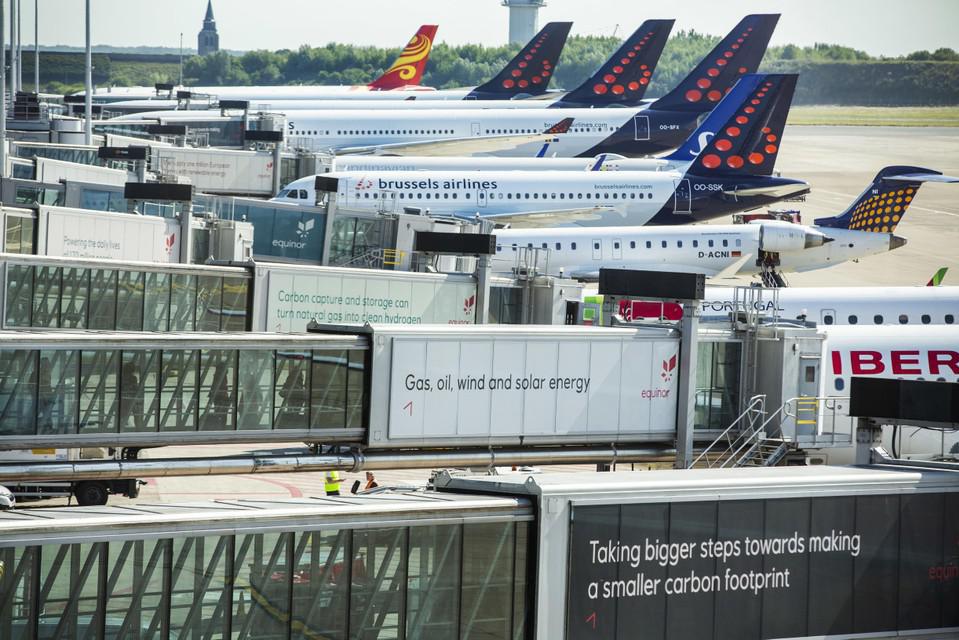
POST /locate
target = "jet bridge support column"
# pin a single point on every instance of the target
(686, 289)
(482, 289)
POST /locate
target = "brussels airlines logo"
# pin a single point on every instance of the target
(669, 367)
(168, 243)
(469, 305)
(363, 184)
(702, 141)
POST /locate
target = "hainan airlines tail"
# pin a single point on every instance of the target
(739, 53)
(937, 277)
(742, 134)
(408, 67)
(884, 202)
(530, 71)
(622, 80)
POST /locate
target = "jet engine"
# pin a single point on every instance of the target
(776, 237)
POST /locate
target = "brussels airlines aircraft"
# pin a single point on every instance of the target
(538, 59)
(731, 174)
(629, 69)
(631, 131)
(738, 249)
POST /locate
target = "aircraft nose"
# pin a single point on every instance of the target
(896, 241)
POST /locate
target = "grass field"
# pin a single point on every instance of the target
(875, 116)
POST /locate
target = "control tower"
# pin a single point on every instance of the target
(523, 21)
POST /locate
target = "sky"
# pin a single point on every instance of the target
(879, 27)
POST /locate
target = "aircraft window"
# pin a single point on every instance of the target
(446, 196)
(544, 196)
(739, 242)
(877, 319)
(632, 196)
(572, 245)
(949, 318)
(553, 196)
(544, 245)
(624, 196)
(527, 196)
(500, 196)
(529, 245)
(679, 243)
(514, 247)
(725, 243)
(509, 196)
(926, 319)
(903, 318)
(283, 193)
(649, 245)
(367, 195)
(632, 244)
(840, 384)
(558, 246)
(588, 196)
(695, 243)
(402, 195)
(615, 196)
(596, 245)
(410, 196)
(437, 196)
(615, 245)
(303, 194)
(853, 319)
(571, 196)
(579, 196)
(294, 194)
(562, 196)
(375, 196)
(536, 195)
(710, 243)
(427, 196)
(827, 320)
(456, 195)
(665, 244)
(499, 248)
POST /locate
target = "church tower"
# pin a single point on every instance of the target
(208, 41)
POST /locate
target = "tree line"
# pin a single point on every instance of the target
(831, 74)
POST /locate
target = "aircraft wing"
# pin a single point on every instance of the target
(462, 146)
(548, 217)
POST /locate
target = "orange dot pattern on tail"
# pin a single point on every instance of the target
(611, 79)
(695, 95)
(530, 70)
(881, 212)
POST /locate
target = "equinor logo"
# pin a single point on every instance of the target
(303, 229)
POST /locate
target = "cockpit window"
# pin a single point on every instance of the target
(282, 194)
(303, 194)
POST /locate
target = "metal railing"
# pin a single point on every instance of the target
(825, 410)
(732, 436)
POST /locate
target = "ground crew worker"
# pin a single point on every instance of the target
(332, 484)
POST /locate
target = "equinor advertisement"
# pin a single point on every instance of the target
(297, 295)
(765, 568)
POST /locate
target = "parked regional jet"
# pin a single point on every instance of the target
(865, 228)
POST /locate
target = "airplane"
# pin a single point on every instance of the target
(911, 352)
(629, 131)
(865, 228)
(732, 174)
(627, 73)
(399, 82)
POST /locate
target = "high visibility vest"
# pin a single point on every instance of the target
(332, 481)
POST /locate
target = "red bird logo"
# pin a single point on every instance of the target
(468, 304)
(668, 367)
(169, 242)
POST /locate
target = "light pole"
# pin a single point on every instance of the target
(88, 101)
(181, 59)
(36, 46)
(3, 97)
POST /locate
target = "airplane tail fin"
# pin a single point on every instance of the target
(623, 79)
(742, 134)
(884, 202)
(530, 71)
(937, 277)
(739, 53)
(407, 69)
